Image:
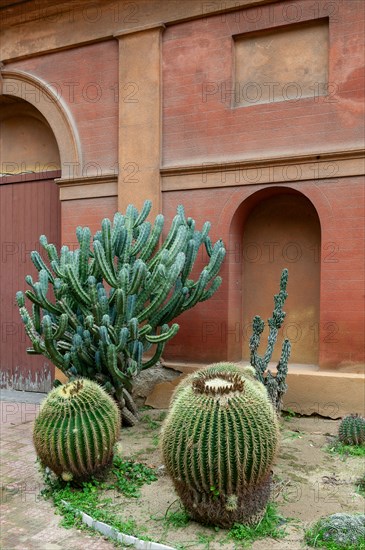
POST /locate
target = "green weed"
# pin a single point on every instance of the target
(130, 476)
(288, 414)
(361, 485)
(151, 424)
(88, 496)
(177, 519)
(345, 450)
(269, 526)
(205, 540)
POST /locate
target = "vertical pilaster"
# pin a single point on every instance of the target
(140, 91)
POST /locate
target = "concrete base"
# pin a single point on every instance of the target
(332, 394)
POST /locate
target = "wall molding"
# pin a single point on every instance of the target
(77, 27)
(88, 187)
(289, 168)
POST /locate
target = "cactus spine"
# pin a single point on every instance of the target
(276, 385)
(351, 430)
(91, 331)
(218, 443)
(76, 429)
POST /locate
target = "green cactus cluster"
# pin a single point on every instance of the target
(276, 385)
(219, 441)
(76, 429)
(351, 430)
(114, 297)
(341, 531)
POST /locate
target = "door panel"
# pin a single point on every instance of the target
(28, 209)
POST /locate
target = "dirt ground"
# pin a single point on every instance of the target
(309, 483)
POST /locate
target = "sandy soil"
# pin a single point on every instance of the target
(309, 483)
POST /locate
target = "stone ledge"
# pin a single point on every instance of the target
(329, 393)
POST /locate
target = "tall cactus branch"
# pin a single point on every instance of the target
(276, 385)
(115, 296)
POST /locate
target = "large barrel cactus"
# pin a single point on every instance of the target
(218, 442)
(351, 430)
(76, 429)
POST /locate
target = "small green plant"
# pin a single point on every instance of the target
(351, 430)
(270, 525)
(204, 540)
(218, 442)
(131, 476)
(151, 424)
(214, 491)
(276, 385)
(338, 532)
(114, 298)
(288, 414)
(71, 497)
(346, 450)
(361, 485)
(76, 429)
(177, 519)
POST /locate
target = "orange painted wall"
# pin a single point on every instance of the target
(84, 212)
(85, 79)
(199, 124)
(209, 332)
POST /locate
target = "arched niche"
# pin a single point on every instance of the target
(27, 143)
(272, 229)
(34, 91)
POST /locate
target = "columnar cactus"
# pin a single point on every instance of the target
(351, 430)
(104, 332)
(218, 443)
(76, 429)
(276, 385)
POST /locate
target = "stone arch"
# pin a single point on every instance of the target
(38, 93)
(268, 226)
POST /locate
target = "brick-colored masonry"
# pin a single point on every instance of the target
(85, 81)
(278, 86)
(299, 89)
(201, 121)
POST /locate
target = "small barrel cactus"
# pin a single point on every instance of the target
(352, 430)
(76, 429)
(218, 442)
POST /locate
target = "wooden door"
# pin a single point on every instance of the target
(29, 207)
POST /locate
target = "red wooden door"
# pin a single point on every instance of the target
(29, 207)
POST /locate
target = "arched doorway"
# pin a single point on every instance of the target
(30, 206)
(283, 230)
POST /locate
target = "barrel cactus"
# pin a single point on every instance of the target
(352, 430)
(218, 443)
(76, 429)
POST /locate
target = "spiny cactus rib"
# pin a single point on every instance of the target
(103, 265)
(84, 254)
(221, 435)
(44, 304)
(76, 429)
(164, 336)
(103, 332)
(39, 264)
